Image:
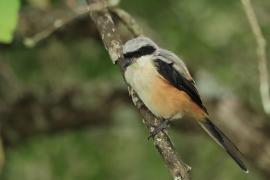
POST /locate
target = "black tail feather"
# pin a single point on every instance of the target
(223, 141)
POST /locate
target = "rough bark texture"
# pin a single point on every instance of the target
(111, 39)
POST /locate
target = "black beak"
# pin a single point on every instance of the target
(127, 62)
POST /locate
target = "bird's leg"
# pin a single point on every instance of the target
(163, 125)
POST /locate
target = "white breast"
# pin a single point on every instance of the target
(162, 99)
(140, 75)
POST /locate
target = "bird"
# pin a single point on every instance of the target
(163, 82)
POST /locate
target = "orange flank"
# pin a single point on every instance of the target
(171, 102)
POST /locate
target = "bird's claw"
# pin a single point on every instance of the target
(163, 125)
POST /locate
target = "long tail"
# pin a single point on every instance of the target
(223, 141)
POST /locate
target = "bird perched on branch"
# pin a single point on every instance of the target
(164, 84)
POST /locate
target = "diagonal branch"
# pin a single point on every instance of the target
(127, 20)
(111, 39)
(57, 24)
(261, 53)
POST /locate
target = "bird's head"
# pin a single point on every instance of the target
(138, 47)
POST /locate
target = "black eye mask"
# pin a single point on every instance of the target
(145, 50)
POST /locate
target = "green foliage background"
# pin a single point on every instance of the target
(8, 19)
(210, 35)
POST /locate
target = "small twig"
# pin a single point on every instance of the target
(57, 24)
(261, 53)
(125, 18)
(113, 44)
(79, 12)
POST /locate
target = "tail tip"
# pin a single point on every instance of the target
(243, 167)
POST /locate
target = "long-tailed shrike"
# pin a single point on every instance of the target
(163, 82)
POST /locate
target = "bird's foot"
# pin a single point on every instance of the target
(163, 125)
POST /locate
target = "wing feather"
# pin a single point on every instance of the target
(174, 70)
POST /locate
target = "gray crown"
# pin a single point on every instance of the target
(136, 43)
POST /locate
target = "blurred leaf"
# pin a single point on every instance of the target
(8, 19)
(41, 4)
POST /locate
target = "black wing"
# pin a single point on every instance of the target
(177, 80)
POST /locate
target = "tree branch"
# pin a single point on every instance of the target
(261, 53)
(36, 26)
(111, 39)
(57, 24)
(127, 20)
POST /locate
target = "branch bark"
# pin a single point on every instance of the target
(112, 41)
(127, 20)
